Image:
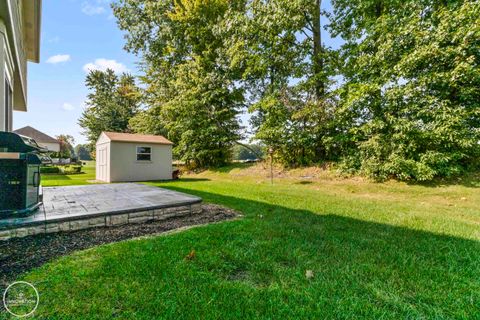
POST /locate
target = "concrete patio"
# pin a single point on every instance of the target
(79, 207)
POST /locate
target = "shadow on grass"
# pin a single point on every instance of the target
(192, 179)
(255, 268)
(304, 182)
(373, 268)
(173, 181)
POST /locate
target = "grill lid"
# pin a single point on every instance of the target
(12, 142)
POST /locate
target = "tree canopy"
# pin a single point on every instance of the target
(409, 106)
(399, 99)
(113, 100)
(190, 89)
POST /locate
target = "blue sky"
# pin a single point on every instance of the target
(76, 35)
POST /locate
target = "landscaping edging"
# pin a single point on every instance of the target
(100, 220)
(19, 255)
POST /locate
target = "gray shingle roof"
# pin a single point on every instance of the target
(36, 135)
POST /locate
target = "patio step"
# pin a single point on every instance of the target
(81, 207)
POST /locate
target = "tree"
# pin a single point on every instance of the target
(410, 101)
(287, 72)
(83, 152)
(405, 105)
(190, 89)
(112, 102)
(66, 147)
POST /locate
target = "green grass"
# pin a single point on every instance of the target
(53, 180)
(377, 251)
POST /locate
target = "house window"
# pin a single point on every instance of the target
(8, 104)
(144, 154)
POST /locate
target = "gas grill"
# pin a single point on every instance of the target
(19, 175)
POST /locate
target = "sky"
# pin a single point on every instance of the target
(77, 35)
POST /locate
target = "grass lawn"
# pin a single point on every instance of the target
(377, 251)
(53, 180)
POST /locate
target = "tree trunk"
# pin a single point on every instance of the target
(318, 62)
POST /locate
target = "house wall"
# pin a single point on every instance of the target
(125, 167)
(54, 147)
(19, 41)
(6, 73)
(14, 35)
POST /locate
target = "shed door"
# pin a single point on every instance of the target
(102, 163)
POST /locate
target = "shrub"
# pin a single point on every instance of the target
(49, 170)
(69, 169)
(75, 169)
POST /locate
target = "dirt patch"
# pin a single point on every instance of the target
(20, 255)
(262, 169)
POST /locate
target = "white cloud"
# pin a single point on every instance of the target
(67, 107)
(91, 9)
(104, 64)
(58, 58)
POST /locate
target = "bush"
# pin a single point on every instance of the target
(49, 170)
(71, 169)
(384, 157)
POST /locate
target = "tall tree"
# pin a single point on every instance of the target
(406, 105)
(110, 105)
(317, 57)
(287, 71)
(410, 101)
(189, 86)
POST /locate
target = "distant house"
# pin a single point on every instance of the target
(19, 42)
(133, 157)
(41, 138)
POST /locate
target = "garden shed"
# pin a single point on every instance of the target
(133, 157)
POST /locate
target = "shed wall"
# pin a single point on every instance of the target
(125, 167)
(102, 164)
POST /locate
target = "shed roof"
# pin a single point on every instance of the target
(129, 137)
(36, 135)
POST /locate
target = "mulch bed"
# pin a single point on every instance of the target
(20, 255)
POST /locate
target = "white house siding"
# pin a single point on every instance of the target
(53, 147)
(19, 42)
(125, 167)
(6, 72)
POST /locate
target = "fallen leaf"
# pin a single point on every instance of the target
(191, 255)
